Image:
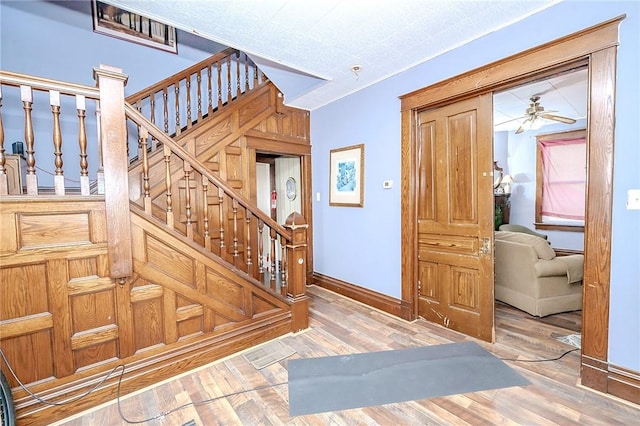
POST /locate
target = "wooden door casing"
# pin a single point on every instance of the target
(454, 216)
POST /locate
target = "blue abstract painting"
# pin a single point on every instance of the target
(346, 179)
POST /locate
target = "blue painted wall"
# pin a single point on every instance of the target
(362, 245)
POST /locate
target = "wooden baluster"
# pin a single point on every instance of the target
(167, 175)
(58, 178)
(234, 205)
(229, 81)
(146, 187)
(221, 217)
(205, 212)
(4, 183)
(260, 246)
(85, 187)
(238, 76)
(177, 102)
(32, 179)
(247, 219)
(255, 76)
(219, 69)
(166, 110)
(209, 91)
(152, 105)
(283, 265)
(188, 83)
(199, 93)
(272, 255)
(246, 73)
(187, 199)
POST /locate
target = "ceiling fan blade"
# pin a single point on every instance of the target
(565, 120)
(521, 128)
(513, 119)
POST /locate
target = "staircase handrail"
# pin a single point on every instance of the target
(175, 148)
(46, 84)
(132, 99)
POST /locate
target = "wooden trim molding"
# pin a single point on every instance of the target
(388, 304)
(624, 383)
(597, 46)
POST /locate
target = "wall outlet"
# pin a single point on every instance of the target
(633, 199)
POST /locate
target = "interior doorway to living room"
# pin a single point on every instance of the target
(552, 109)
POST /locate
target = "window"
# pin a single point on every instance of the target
(561, 174)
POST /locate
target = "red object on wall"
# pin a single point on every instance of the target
(274, 199)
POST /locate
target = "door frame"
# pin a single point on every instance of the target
(597, 47)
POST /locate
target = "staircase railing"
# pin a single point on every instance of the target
(177, 103)
(173, 187)
(187, 197)
(41, 124)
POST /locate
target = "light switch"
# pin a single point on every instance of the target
(317, 196)
(633, 199)
(387, 184)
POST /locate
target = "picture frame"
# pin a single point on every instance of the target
(346, 176)
(120, 23)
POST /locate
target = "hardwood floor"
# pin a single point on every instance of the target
(339, 325)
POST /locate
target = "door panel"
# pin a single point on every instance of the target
(455, 216)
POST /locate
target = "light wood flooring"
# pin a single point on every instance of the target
(339, 325)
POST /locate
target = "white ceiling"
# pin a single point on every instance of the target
(307, 47)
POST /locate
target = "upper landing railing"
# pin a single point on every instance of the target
(177, 103)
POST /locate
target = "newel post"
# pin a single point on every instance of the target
(297, 271)
(113, 137)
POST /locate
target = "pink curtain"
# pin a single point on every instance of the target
(564, 177)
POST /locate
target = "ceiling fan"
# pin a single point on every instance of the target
(536, 112)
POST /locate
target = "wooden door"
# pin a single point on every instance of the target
(455, 216)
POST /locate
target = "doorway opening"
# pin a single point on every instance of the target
(523, 115)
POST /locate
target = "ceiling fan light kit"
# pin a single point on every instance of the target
(535, 115)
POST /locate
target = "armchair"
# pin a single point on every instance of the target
(530, 277)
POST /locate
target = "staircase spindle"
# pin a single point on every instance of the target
(234, 209)
(85, 186)
(152, 105)
(247, 218)
(255, 75)
(209, 91)
(4, 183)
(260, 246)
(229, 81)
(188, 82)
(272, 255)
(146, 187)
(58, 178)
(187, 199)
(283, 266)
(27, 102)
(165, 97)
(205, 212)
(221, 217)
(219, 69)
(246, 74)
(199, 93)
(167, 161)
(177, 103)
(238, 76)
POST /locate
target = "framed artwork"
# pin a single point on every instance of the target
(121, 23)
(346, 176)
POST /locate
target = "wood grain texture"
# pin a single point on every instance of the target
(341, 326)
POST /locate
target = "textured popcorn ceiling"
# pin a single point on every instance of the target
(312, 44)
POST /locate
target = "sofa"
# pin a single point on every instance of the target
(530, 277)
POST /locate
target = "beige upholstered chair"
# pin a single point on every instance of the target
(530, 277)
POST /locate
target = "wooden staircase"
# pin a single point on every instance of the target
(147, 257)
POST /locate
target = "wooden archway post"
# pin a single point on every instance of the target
(113, 142)
(297, 271)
